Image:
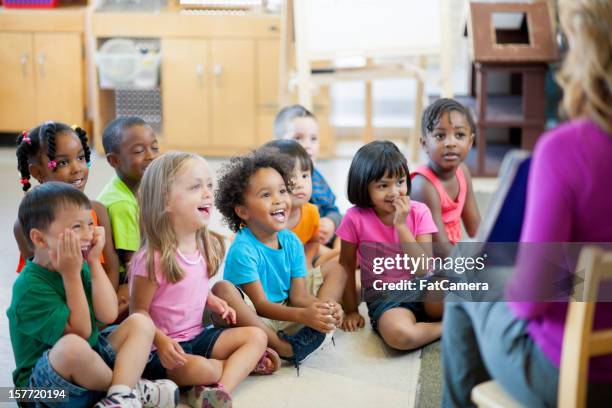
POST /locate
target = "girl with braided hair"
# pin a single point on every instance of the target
(54, 151)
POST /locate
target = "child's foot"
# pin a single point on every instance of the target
(268, 363)
(305, 343)
(159, 393)
(209, 396)
(119, 401)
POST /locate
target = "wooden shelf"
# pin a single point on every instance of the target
(503, 111)
(64, 19)
(170, 23)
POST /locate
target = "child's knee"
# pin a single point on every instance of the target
(256, 335)
(225, 290)
(399, 337)
(138, 322)
(69, 350)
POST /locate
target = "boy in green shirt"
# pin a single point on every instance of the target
(130, 145)
(57, 301)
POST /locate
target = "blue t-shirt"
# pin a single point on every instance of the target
(249, 260)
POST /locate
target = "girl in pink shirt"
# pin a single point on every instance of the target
(385, 224)
(169, 282)
(445, 184)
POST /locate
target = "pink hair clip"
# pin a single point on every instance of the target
(26, 138)
(52, 164)
(24, 181)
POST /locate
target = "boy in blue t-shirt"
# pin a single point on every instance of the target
(267, 262)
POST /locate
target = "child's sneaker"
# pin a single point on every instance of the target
(119, 401)
(209, 396)
(159, 393)
(305, 343)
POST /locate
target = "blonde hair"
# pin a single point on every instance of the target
(586, 75)
(155, 223)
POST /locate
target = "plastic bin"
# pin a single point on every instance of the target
(123, 65)
(30, 3)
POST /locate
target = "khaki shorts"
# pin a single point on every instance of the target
(314, 280)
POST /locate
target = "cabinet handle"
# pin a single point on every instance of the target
(218, 70)
(24, 63)
(41, 63)
(200, 73)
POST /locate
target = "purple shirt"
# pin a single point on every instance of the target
(569, 199)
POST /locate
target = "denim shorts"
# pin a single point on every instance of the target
(44, 376)
(200, 345)
(380, 306)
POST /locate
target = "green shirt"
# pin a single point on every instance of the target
(38, 315)
(123, 210)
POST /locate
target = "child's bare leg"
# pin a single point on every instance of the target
(132, 342)
(241, 348)
(73, 359)
(197, 371)
(399, 329)
(246, 316)
(334, 281)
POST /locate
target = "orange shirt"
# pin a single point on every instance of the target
(309, 223)
(95, 220)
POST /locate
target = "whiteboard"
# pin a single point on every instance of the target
(370, 27)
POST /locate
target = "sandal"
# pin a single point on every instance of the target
(261, 368)
(209, 396)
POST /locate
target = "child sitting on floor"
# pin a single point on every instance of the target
(382, 219)
(267, 262)
(298, 123)
(55, 151)
(58, 301)
(304, 216)
(169, 280)
(445, 184)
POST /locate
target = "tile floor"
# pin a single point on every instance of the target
(358, 372)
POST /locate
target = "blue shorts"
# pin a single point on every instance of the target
(200, 345)
(44, 376)
(379, 306)
(379, 302)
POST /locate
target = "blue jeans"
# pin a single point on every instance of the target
(484, 340)
(44, 376)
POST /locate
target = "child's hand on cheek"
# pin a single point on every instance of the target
(67, 258)
(97, 244)
(402, 209)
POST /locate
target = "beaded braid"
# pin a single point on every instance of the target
(47, 132)
(24, 152)
(83, 137)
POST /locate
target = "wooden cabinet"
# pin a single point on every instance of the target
(59, 77)
(16, 81)
(218, 82)
(42, 72)
(185, 92)
(268, 54)
(208, 89)
(233, 94)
